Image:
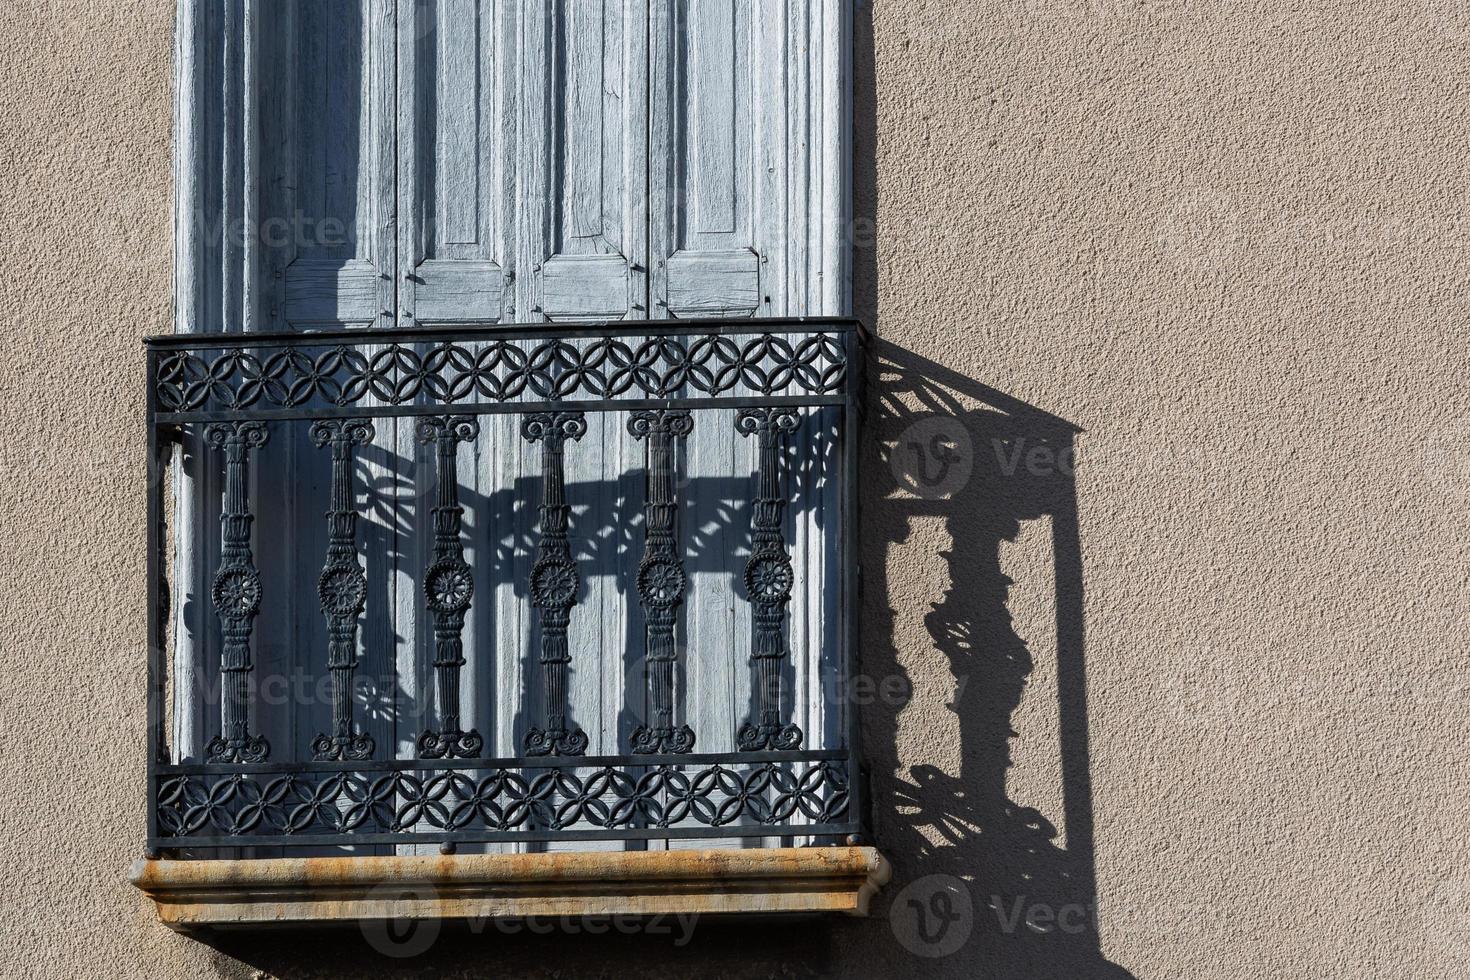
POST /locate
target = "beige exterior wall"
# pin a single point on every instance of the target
(1224, 240)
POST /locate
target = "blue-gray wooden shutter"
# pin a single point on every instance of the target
(747, 185)
(583, 142)
(328, 216)
(749, 157)
(456, 146)
(447, 161)
(327, 102)
(582, 241)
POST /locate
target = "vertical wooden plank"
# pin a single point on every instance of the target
(381, 141)
(190, 119)
(380, 467)
(452, 147)
(415, 35)
(232, 102)
(458, 107)
(582, 147)
(318, 185)
(834, 210)
(583, 152)
(712, 53)
(711, 94)
(335, 243)
(702, 91)
(582, 245)
(407, 474)
(531, 206)
(457, 123)
(213, 102)
(189, 122)
(279, 555)
(251, 268)
(782, 255)
(321, 200)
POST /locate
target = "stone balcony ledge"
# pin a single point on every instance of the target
(192, 894)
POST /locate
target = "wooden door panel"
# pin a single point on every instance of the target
(455, 173)
(326, 165)
(583, 160)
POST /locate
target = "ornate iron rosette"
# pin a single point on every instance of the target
(772, 738)
(655, 740)
(236, 592)
(342, 589)
(248, 749)
(661, 583)
(769, 577)
(449, 586)
(554, 583)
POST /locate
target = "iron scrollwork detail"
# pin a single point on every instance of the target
(236, 594)
(662, 581)
(554, 580)
(768, 581)
(342, 590)
(448, 587)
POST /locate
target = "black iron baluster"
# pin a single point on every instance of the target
(342, 589)
(768, 580)
(236, 596)
(554, 580)
(448, 587)
(661, 579)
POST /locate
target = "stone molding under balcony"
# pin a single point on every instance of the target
(211, 894)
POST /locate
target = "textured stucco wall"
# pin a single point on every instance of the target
(1220, 241)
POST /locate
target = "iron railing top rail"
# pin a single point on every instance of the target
(622, 365)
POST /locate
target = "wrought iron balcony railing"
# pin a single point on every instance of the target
(491, 585)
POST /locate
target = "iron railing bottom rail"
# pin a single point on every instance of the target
(409, 802)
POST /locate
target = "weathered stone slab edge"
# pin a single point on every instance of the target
(285, 891)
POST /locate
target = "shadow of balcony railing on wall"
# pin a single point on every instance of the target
(485, 585)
